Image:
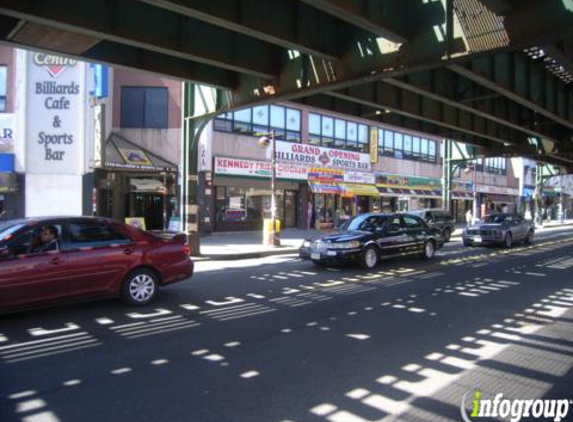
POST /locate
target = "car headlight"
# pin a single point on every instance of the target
(345, 245)
(306, 244)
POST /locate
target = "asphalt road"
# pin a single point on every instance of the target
(280, 340)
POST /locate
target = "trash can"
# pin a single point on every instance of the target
(268, 232)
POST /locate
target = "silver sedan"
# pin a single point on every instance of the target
(499, 229)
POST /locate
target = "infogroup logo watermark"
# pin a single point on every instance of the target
(513, 410)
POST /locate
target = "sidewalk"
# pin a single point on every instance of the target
(246, 245)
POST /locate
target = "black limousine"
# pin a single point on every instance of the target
(368, 238)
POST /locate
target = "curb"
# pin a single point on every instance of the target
(246, 255)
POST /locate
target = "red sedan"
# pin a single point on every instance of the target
(52, 260)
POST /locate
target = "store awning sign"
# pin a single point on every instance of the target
(260, 169)
(354, 189)
(135, 157)
(322, 174)
(323, 187)
(316, 156)
(8, 183)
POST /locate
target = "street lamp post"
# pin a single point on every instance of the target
(264, 142)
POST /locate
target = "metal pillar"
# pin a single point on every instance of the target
(447, 175)
(192, 127)
(538, 194)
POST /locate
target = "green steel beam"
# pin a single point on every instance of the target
(288, 24)
(129, 22)
(411, 104)
(523, 81)
(385, 19)
(444, 86)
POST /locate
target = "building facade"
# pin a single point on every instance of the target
(79, 138)
(331, 167)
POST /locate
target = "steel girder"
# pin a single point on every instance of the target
(452, 89)
(128, 23)
(386, 19)
(284, 23)
(523, 81)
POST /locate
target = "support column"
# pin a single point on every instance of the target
(538, 194)
(447, 175)
(192, 127)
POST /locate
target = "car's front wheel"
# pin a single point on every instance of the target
(140, 287)
(447, 235)
(429, 250)
(369, 257)
(529, 237)
(508, 240)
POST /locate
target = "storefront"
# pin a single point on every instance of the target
(134, 183)
(408, 193)
(497, 199)
(323, 197)
(243, 193)
(462, 199)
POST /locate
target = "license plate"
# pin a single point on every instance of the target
(477, 239)
(314, 256)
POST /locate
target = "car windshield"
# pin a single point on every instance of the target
(9, 227)
(365, 222)
(497, 219)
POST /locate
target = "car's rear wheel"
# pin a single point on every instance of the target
(369, 257)
(467, 242)
(508, 240)
(529, 237)
(447, 235)
(429, 250)
(140, 287)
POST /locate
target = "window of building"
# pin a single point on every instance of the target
(286, 122)
(144, 107)
(3, 87)
(401, 145)
(337, 133)
(496, 165)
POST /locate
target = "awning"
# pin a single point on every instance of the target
(391, 191)
(324, 187)
(356, 189)
(464, 196)
(8, 182)
(123, 154)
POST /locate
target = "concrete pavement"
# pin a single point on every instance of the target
(275, 339)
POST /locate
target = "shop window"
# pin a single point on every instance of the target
(144, 107)
(3, 87)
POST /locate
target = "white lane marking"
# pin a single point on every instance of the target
(70, 326)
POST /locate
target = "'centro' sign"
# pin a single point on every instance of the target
(55, 65)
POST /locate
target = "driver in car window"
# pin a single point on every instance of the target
(48, 240)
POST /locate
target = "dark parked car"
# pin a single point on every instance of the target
(51, 260)
(369, 237)
(440, 219)
(502, 229)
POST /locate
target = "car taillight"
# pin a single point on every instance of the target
(186, 249)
